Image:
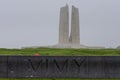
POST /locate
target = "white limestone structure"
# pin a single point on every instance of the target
(66, 40)
(75, 33)
(64, 25)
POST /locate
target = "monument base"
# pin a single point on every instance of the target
(76, 46)
(68, 46)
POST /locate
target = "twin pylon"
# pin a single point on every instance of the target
(67, 40)
(64, 37)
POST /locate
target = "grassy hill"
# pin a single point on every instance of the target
(59, 52)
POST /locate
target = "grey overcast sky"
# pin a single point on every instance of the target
(36, 22)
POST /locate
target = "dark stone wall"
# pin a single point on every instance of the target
(60, 66)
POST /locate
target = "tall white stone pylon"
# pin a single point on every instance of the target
(75, 33)
(66, 41)
(64, 25)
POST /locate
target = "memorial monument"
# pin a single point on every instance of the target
(66, 40)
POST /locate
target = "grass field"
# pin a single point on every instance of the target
(59, 52)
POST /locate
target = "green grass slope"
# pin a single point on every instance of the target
(58, 52)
